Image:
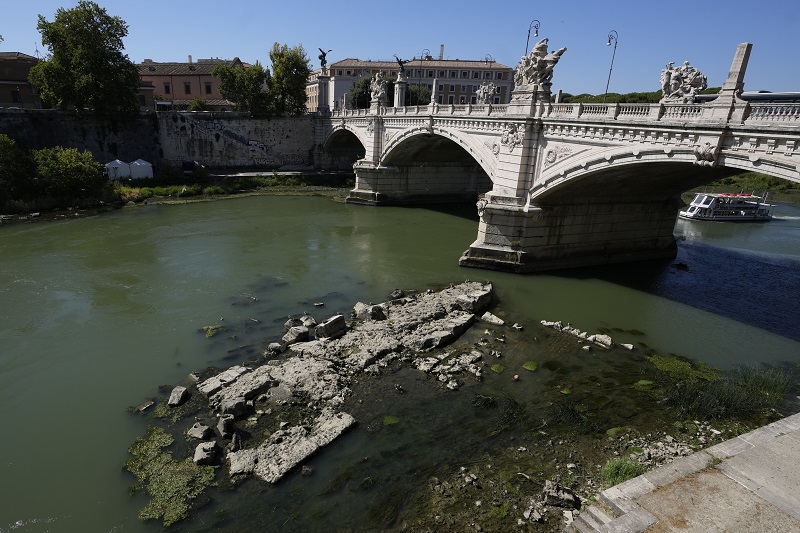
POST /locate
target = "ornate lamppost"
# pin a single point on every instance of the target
(534, 24)
(425, 53)
(615, 36)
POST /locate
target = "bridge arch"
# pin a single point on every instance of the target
(430, 139)
(631, 173)
(343, 146)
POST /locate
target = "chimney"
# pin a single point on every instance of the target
(190, 58)
(441, 52)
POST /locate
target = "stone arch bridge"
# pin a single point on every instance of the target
(564, 185)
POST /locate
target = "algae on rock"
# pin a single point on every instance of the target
(171, 485)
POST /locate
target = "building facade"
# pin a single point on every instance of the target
(457, 80)
(15, 89)
(177, 84)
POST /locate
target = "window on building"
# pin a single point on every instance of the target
(452, 89)
(440, 98)
(348, 72)
(441, 74)
(496, 99)
(451, 99)
(441, 89)
(464, 74)
(463, 88)
(453, 74)
(167, 89)
(16, 97)
(430, 73)
(473, 100)
(187, 88)
(476, 74)
(499, 76)
(208, 87)
(474, 88)
(338, 72)
(488, 75)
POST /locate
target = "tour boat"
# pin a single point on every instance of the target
(728, 207)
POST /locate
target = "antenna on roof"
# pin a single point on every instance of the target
(36, 46)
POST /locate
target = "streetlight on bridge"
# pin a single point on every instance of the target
(615, 36)
(534, 24)
(425, 53)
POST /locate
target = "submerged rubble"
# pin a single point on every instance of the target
(319, 371)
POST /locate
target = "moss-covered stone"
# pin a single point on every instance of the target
(171, 485)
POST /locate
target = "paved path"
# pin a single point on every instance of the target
(747, 484)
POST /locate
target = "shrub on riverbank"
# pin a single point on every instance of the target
(619, 470)
(745, 392)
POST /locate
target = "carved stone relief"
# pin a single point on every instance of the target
(512, 136)
(555, 153)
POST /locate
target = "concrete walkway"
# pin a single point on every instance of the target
(747, 484)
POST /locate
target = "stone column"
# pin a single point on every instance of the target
(323, 101)
(400, 92)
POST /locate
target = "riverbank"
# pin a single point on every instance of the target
(541, 436)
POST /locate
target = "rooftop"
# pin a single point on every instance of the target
(149, 67)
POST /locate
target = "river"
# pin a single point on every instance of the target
(96, 313)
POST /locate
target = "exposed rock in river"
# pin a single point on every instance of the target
(319, 370)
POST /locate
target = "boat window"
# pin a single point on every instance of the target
(707, 200)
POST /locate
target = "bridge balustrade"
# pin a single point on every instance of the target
(434, 109)
(774, 113)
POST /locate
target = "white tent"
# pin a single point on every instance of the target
(118, 169)
(141, 169)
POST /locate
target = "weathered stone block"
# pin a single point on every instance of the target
(332, 328)
(178, 396)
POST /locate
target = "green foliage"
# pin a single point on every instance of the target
(747, 391)
(197, 104)
(246, 87)
(68, 173)
(389, 420)
(497, 368)
(172, 485)
(418, 95)
(16, 172)
(768, 385)
(290, 71)
(86, 67)
(755, 183)
(619, 470)
(358, 96)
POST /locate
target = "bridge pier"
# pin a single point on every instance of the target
(526, 239)
(429, 183)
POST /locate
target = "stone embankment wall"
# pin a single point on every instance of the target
(234, 140)
(213, 139)
(106, 139)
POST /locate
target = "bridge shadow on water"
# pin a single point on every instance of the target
(758, 290)
(466, 210)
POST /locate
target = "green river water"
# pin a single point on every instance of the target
(97, 313)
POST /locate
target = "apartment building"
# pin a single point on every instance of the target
(179, 83)
(15, 90)
(457, 80)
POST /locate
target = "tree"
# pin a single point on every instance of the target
(68, 173)
(86, 66)
(16, 172)
(197, 104)
(246, 87)
(290, 71)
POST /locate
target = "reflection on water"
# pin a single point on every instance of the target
(96, 314)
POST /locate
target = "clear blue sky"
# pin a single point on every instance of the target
(650, 34)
